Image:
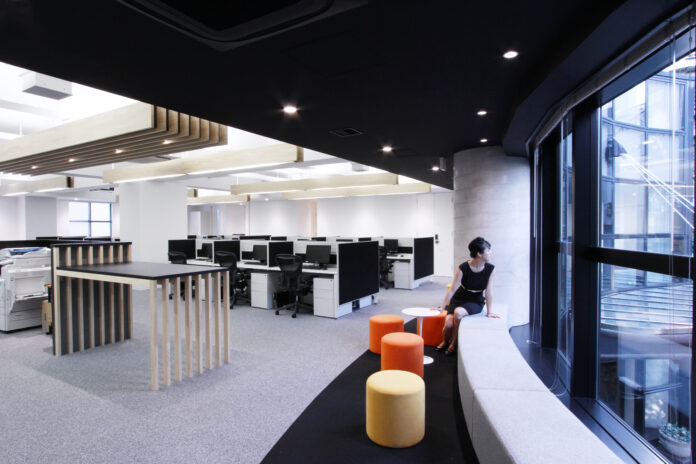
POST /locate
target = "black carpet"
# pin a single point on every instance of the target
(332, 428)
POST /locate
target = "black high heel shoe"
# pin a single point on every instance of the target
(450, 350)
(441, 348)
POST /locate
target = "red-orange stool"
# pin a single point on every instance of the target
(402, 351)
(431, 331)
(381, 325)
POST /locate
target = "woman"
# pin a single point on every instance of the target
(471, 280)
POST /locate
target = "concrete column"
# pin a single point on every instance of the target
(152, 213)
(491, 200)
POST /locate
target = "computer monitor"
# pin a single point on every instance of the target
(364, 239)
(185, 246)
(344, 239)
(260, 253)
(190, 236)
(318, 254)
(391, 245)
(226, 245)
(318, 239)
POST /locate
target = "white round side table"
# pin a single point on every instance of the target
(420, 313)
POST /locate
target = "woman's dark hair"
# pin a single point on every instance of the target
(478, 245)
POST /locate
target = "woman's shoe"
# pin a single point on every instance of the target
(450, 350)
(441, 346)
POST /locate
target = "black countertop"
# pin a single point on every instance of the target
(144, 270)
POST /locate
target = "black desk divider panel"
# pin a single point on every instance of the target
(358, 270)
(278, 248)
(187, 246)
(226, 245)
(106, 307)
(318, 239)
(364, 239)
(255, 237)
(423, 257)
(280, 238)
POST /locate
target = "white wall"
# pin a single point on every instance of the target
(491, 200)
(41, 217)
(234, 219)
(115, 220)
(63, 217)
(152, 213)
(12, 225)
(284, 217)
(393, 216)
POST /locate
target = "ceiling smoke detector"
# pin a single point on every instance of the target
(46, 86)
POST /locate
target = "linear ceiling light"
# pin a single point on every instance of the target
(249, 158)
(416, 187)
(217, 199)
(132, 132)
(44, 185)
(362, 180)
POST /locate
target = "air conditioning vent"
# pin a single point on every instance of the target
(345, 132)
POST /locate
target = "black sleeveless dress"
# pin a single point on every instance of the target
(469, 295)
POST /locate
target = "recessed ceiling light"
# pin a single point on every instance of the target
(118, 150)
(266, 199)
(72, 160)
(484, 140)
(387, 149)
(34, 167)
(166, 142)
(289, 109)
(482, 112)
(435, 168)
(510, 54)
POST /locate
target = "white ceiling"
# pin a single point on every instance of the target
(22, 113)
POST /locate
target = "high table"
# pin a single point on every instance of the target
(420, 313)
(92, 305)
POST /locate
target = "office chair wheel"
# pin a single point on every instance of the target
(277, 313)
(294, 315)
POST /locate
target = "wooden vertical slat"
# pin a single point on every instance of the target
(165, 333)
(57, 326)
(226, 315)
(129, 255)
(154, 378)
(90, 298)
(216, 296)
(110, 249)
(199, 295)
(112, 313)
(119, 255)
(121, 312)
(129, 291)
(177, 344)
(208, 347)
(69, 301)
(187, 325)
(80, 306)
(102, 286)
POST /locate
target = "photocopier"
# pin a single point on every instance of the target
(24, 272)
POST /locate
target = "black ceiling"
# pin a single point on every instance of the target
(411, 74)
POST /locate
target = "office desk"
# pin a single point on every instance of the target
(126, 274)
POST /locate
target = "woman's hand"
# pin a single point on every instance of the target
(494, 316)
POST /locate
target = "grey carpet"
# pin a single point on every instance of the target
(96, 406)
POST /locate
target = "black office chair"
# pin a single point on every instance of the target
(239, 279)
(179, 257)
(385, 266)
(291, 282)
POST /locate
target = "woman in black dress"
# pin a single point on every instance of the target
(472, 283)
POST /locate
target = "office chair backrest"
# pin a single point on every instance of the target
(226, 259)
(177, 257)
(290, 271)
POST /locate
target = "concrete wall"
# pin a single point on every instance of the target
(491, 199)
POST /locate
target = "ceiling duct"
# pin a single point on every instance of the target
(228, 25)
(46, 86)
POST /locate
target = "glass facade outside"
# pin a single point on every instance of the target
(565, 258)
(647, 204)
(90, 219)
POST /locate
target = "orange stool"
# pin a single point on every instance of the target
(431, 331)
(381, 325)
(402, 351)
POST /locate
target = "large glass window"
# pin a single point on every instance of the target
(565, 258)
(647, 205)
(90, 219)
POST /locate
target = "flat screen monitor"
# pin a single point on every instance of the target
(190, 236)
(318, 254)
(344, 239)
(391, 245)
(185, 246)
(260, 253)
(226, 245)
(364, 239)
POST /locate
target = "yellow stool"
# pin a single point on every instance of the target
(395, 408)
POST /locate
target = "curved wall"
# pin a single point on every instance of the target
(491, 199)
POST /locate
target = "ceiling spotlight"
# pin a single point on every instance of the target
(289, 109)
(387, 149)
(34, 167)
(72, 160)
(266, 199)
(435, 168)
(118, 150)
(166, 142)
(510, 54)
(482, 112)
(484, 140)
